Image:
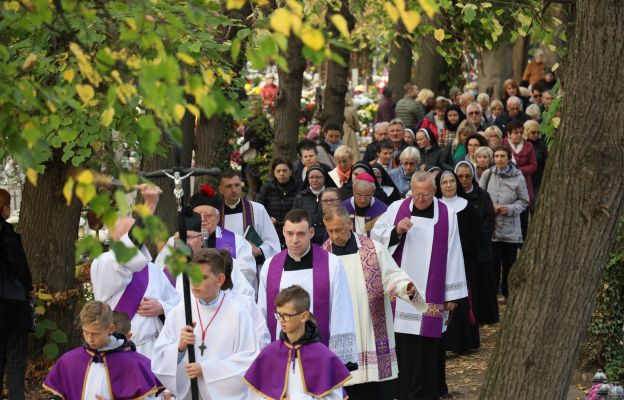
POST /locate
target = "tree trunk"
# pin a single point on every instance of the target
(496, 66)
(401, 61)
(518, 58)
(337, 74)
(555, 281)
(167, 206)
(49, 230)
(288, 102)
(429, 66)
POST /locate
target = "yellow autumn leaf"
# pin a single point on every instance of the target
(39, 310)
(142, 210)
(194, 110)
(281, 21)
(68, 75)
(85, 176)
(392, 11)
(313, 38)
(410, 19)
(400, 5)
(44, 296)
(438, 34)
(225, 76)
(296, 7)
(85, 192)
(428, 6)
(235, 4)
(554, 67)
(131, 24)
(486, 5)
(209, 77)
(28, 62)
(32, 176)
(341, 24)
(178, 112)
(555, 122)
(185, 58)
(51, 106)
(68, 190)
(85, 92)
(107, 116)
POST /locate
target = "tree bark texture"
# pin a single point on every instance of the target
(49, 230)
(337, 74)
(518, 58)
(496, 66)
(429, 66)
(288, 102)
(401, 61)
(556, 278)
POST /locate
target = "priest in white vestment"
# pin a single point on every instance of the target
(422, 234)
(374, 278)
(322, 275)
(243, 217)
(137, 287)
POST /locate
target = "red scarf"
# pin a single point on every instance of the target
(344, 176)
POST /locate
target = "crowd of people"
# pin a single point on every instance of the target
(372, 265)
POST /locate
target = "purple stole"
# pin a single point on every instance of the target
(372, 214)
(375, 290)
(227, 241)
(130, 374)
(134, 292)
(321, 290)
(248, 216)
(432, 319)
(268, 375)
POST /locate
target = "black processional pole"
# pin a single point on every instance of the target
(178, 175)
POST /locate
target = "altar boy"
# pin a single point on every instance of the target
(223, 335)
(105, 367)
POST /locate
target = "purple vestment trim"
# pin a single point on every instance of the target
(227, 241)
(248, 216)
(321, 370)
(372, 213)
(134, 292)
(376, 306)
(320, 287)
(129, 374)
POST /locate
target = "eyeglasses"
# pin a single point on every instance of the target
(330, 201)
(468, 176)
(422, 196)
(474, 113)
(537, 95)
(194, 237)
(362, 196)
(315, 177)
(286, 317)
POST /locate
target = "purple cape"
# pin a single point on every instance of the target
(134, 292)
(321, 297)
(372, 213)
(321, 370)
(130, 375)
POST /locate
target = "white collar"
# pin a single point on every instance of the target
(303, 255)
(234, 205)
(456, 203)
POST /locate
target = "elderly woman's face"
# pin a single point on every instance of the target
(316, 180)
(533, 134)
(497, 111)
(493, 139)
(409, 165)
(464, 174)
(422, 141)
(453, 116)
(501, 159)
(344, 163)
(408, 138)
(483, 161)
(515, 136)
(448, 185)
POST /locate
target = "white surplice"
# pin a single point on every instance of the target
(263, 226)
(244, 262)
(416, 258)
(110, 278)
(341, 322)
(231, 347)
(395, 282)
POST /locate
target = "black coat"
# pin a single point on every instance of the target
(13, 261)
(434, 157)
(278, 200)
(308, 201)
(298, 172)
(505, 119)
(480, 201)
